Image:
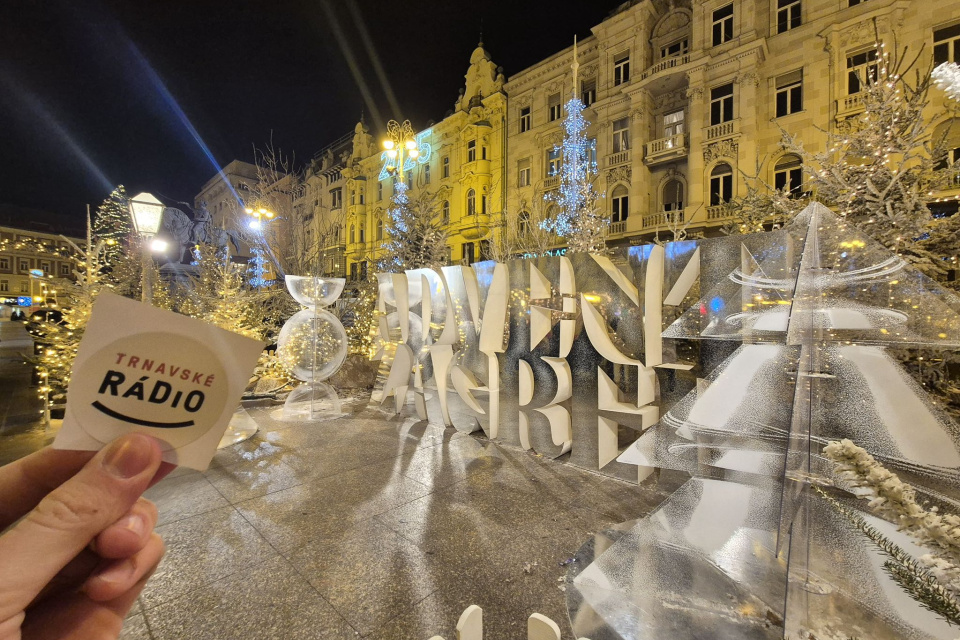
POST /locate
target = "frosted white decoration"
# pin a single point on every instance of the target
(947, 77)
(310, 291)
(313, 345)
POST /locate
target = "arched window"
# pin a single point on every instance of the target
(445, 213)
(471, 202)
(523, 223)
(620, 204)
(353, 234)
(379, 228)
(673, 195)
(788, 175)
(721, 184)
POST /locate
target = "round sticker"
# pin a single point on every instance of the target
(160, 384)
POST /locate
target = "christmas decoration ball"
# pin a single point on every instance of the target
(312, 345)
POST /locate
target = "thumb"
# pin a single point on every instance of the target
(67, 519)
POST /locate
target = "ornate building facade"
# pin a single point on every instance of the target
(688, 98)
(685, 99)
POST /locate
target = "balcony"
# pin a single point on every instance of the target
(717, 212)
(663, 218)
(849, 105)
(614, 159)
(727, 129)
(666, 149)
(552, 182)
(666, 63)
(617, 228)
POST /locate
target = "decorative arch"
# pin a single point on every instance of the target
(788, 174)
(671, 28)
(672, 192)
(619, 203)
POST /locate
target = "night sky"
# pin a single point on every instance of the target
(154, 94)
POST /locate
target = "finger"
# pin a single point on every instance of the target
(64, 522)
(24, 483)
(130, 533)
(77, 617)
(120, 575)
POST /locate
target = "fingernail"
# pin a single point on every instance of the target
(135, 524)
(118, 572)
(128, 456)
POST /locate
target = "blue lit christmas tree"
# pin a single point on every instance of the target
(257, 269)
(581, 220)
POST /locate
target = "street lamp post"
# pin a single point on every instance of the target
(147, 214)
(401, 140)
(259, 213)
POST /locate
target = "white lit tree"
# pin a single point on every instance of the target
(880, 169)
(112, 223)
(414, 238)
(580, 220)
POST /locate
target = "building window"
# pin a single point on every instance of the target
(471, 151)
(471, 202)
(362, 234)
(468, 253)
(588, 91)
(553, 107)
(620, 204)
(426, 173)
(4, 286)
(853, 3)
(523, 224)
(723, 25)
(360, 195)
(24, 287)
(64, 269)
(524, 119)
(379, 228)
(721, 184)
(445, 213)
(621, 68)
(790, 93)
(353, 234)
(673, 195)
(554, 162)
(788, 15)
(721, 104)
(788, 175)
(946, 45)
(336, 198)
(379, 191)
(445, 167)
(483, 204)
(621, 135)
(861, 69)
(24, 266)
(674, 49)
(483, 152)
(673, 126)
(523, 173)
(5, 263)
(409, 179)
(353, 270)
(45, 267)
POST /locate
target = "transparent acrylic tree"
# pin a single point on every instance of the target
(811, 334)
(313, 345)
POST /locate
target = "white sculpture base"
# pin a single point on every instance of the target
(312, 402)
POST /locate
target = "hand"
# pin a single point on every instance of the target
(84, 545)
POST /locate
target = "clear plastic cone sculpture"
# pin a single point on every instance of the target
(313, 345)
(818, 334)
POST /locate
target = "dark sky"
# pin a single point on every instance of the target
(95, 93)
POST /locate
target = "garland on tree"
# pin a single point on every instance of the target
(414, 238)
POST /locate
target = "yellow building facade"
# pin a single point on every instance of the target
(686, 98)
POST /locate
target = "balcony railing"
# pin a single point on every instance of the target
(716, 212)
(617, 228)
(666, 63)
(552, 182)
(722, 130)
(664, 148)
(848, 105)
(663, 218)
(620, 157)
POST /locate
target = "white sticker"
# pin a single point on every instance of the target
(146, 370)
